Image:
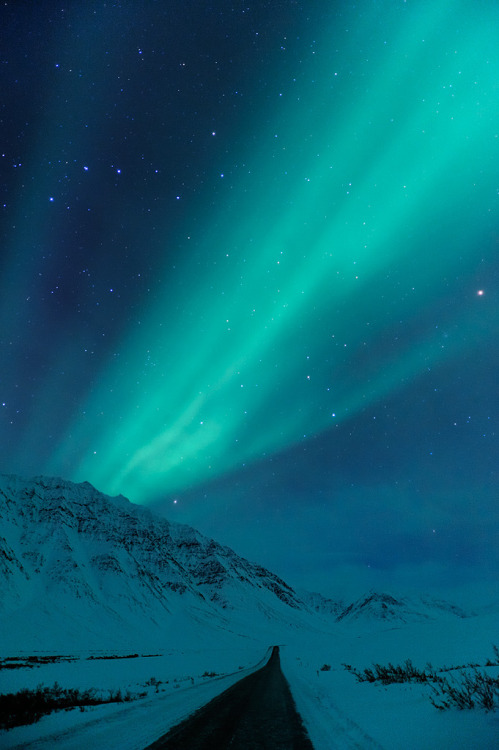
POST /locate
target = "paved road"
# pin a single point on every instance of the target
(258, 712)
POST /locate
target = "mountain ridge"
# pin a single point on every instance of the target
(72, 543)
(78, 560)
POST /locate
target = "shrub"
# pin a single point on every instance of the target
(477, 689)
(153, 682)
(467, 690)
(28, 706)
(391, 673)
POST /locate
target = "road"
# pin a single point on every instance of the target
(256, 712)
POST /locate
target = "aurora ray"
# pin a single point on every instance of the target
(294, 286)
(270, 329)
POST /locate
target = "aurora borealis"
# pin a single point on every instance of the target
(249, 269)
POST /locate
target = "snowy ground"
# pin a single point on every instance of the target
(338, 711)
(128, 726)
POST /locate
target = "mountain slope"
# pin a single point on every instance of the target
(383, 607)
(322, 604)
(73, 555)
(81, 569)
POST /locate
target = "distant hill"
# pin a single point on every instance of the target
(376, 606)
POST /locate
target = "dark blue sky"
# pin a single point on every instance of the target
(249, 274)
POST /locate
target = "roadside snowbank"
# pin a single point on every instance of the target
(340, 712)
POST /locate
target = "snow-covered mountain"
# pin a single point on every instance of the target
(322, 604)
(378, 606)
(74, 556)
(83, 574)
(80, 567)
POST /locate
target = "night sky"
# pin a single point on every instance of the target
(249, 274)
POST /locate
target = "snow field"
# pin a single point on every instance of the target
(340, 712)
(128, 726)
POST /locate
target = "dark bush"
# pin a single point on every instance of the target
(468, 689)
(28, 706)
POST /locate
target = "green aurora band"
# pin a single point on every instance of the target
(282, 322)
